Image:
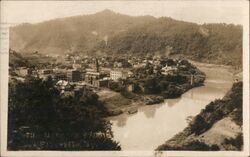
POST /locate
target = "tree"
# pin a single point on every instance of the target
(151, 86)
(61, 123)
(172, 92)
(199, 125)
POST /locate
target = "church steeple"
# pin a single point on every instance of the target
(96, 65)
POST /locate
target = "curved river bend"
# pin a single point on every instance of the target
(152, 125)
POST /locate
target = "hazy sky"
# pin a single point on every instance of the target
(204, 11)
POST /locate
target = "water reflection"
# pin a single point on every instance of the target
(149, 111)
(172, 102)
(121, 121)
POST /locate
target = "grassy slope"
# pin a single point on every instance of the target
(115, 102)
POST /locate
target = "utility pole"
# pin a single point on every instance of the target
(192, 80)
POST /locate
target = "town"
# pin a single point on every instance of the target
(152, 78)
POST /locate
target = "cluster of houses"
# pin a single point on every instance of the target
(94, 76)
(98, 73)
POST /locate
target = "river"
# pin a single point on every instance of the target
(152, 125)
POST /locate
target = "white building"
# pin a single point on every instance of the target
(168, 70)
(117, 74)
(22, 72)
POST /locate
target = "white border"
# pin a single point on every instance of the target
(4, 58)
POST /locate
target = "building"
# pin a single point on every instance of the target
(62, 84)
(22, 71)
(60, 76)
(118, 65)
(119, 74)
(115, 75)
(168, 70)
(130, 74)
(91, 76)
(76, 66)
(96, 66)
(130, 87)
(100, 83)
(75, 76)
(106, 71)
(43, 73)
(95, 77)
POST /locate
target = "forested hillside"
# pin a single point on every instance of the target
(219, 43)
(107, 32)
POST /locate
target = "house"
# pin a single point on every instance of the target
(130, 87)
(168, 70)
(47, 71)
(43, 73)
(130, 74)
(117, 64)
(157, 69)
(23, 71)
(62, 83)
(76, 66)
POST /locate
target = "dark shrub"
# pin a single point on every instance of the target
(196, 145)
(215, 147)
(172, 92)
(199, 125)
(236, 142)
(209, 107)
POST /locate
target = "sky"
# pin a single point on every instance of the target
(203, 11)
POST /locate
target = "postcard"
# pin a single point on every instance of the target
(124, 78)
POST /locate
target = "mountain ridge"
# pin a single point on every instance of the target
(114, 33)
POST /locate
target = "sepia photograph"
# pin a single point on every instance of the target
(124, 78)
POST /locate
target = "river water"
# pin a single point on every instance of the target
(152, 125)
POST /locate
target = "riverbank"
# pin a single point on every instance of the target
(127, 95)
(217, 127)
(116, 103)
